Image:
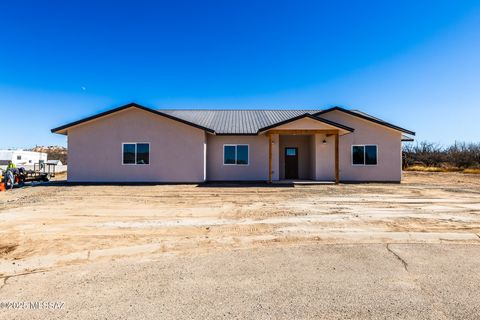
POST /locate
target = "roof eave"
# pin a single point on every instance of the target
(406, 138)
(383, 123)
(63, 129)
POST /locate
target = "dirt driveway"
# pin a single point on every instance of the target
(48, 226)
(409, 251)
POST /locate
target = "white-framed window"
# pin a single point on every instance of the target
(236, 154)
(365, 155)
(135, 153)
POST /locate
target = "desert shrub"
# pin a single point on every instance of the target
(423, 153)
(464, 155)
(459, 155)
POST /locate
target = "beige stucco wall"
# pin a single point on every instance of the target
(313, 157)
(95, 149)
(366, 132)
(256, 170)
(275, 157)
(324, 158)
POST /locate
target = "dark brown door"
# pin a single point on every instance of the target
(291, 163)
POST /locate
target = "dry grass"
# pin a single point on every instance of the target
(475, 171)
(431, 169)
(442, 169)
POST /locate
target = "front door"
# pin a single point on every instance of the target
(291, 163)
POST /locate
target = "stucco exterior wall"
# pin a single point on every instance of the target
(388, 143)
(325, 158)
(95, 149)
(257, 168)
(275, 157)
(313, 156)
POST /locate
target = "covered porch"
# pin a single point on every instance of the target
(305, 149)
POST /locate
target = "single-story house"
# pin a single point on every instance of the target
(133, 143)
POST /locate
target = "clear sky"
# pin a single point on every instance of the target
(413, 63)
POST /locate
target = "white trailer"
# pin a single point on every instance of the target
(21, 158)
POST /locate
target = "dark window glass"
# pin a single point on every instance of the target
(229, 154)
(143, 153)
(242, 154)
(371, 155)
(19, 157)
(129, 153)
(358, 153)
(291, 152)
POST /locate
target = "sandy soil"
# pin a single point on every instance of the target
(307, 281)
(49, 226)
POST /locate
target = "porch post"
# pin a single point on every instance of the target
(337, 164)
(269, 158)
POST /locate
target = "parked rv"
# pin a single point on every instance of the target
(21, 157)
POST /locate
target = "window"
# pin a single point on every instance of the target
(19, 157)
(229, 154)
(291, 152)
(129, 153)
(235, 154)
(242, 154)
(370, 155)
(136, 153)
(358, 155)
(364, 155)
(143, 153)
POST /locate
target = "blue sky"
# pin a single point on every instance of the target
(413, 63)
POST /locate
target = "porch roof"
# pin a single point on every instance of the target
(319, 125)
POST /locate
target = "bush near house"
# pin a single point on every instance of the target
(432, 157)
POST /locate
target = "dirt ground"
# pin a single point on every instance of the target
(352, 251)
(307, 281)
(49, 226)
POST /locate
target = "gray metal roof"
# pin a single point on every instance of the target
(235, 121)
